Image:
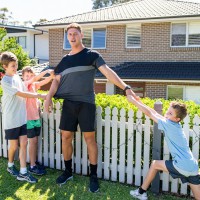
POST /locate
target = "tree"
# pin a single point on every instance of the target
(42, 20)
(4, 15)
(105, 3)
(10, 44)
(27, 23)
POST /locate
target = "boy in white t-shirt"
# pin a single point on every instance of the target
(14, 115)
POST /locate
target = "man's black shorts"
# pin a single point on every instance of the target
(195, 180)
(74, 113)
(15, 133)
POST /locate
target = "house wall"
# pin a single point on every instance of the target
(42, 46)
(155, 46)
(159, 90)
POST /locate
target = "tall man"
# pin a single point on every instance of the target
(74, 82)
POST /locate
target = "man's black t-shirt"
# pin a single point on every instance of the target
(77, 75)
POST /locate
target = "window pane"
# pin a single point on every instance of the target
(175, 92)
(178, 29)
(99, 38)
(178, 40)
(133, 34)
(87, 37)
(22, 41)
(66, 42)
(194, 33)
(133, 41)
(179, 34)
(194, 39)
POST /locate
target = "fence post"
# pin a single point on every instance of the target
(155, 186)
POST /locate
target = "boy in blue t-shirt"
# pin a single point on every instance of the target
(183, 164)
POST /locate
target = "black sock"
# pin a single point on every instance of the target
(68, 165)
(93, 169)
(141, 191)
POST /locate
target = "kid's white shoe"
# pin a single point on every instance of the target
(136, 194)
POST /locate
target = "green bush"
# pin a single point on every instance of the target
(10, 44)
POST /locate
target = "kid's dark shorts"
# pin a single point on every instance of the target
(76, 112)
(195, 180)
(33, 128)
(15, 133)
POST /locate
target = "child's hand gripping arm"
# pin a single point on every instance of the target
(47, 80)
(145, 109)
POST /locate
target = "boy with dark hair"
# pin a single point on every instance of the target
(33, 83)
(14, 115)
(183, 164)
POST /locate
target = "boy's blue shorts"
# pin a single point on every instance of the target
(195, 180)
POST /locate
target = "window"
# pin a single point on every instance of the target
(133, 36)
(175, 92)
(92, 38)
(185, 34)
(21, 40)
(99, 38)
(184, 92)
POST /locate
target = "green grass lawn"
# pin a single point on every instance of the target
(46, 188)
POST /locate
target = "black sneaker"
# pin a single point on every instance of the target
(64, 177)
(94, 184)
(26, 177)
(39, 165)
(36, 170)
(13, 170)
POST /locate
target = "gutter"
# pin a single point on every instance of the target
(100, 80)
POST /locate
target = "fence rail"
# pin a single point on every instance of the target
(125, 147)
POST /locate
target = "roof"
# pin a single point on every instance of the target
(7, 26)
(157, 71)
(134, 10)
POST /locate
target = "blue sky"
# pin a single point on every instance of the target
(34, 10)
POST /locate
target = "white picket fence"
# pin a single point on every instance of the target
(124, 147)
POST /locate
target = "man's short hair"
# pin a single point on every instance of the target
(27, 69)
(180, 108)
(7, 57)
(74, 25)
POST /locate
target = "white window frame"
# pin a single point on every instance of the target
(187, 34)
(92, 37)
(129, 26)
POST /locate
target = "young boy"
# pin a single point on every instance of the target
(183, 165)
(32, 84)
(14, 115)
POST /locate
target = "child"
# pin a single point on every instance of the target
(14, 115)
(183, 165)
(32, 84)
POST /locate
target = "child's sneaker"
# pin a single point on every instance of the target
(136, 194)
(13, 170)
(26, 177)
(36, 170)
(40, 166)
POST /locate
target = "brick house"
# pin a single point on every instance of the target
(153, 45)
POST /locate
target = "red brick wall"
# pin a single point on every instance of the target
(155, 46)
(159, 90)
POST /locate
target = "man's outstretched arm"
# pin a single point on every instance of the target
(115, 79)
